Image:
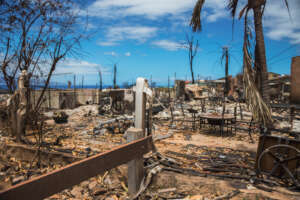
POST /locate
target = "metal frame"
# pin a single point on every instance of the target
(278, 157)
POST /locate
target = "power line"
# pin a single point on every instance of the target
(236, 60)
(280, 53)
(278, 61)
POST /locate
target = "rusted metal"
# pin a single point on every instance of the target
(58, 180)
(279, 157)
(217, 116)
(220, 120)
(285, 162)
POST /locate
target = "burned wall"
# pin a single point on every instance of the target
(50, 99)
(295, 80)
(87, 96)
(121, 100)
(180, 88)
(67, 100)
(61, 99)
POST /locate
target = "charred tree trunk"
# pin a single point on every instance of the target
(193, 49)
(192, 72)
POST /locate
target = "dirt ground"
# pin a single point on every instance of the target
(210, 187)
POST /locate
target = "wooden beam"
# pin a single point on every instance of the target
(70, 175)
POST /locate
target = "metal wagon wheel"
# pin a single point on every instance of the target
(281, 155)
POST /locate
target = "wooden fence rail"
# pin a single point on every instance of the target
(70, 175)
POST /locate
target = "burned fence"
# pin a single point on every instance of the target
(70, 175)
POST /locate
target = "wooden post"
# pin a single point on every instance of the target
(169, 99)
(135, 167)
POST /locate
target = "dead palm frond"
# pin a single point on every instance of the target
(232, 5)
(288, 8)
(260, 110)
(242, 11)
(196, 17)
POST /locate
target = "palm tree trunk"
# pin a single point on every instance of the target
(260, 56)
(257, 69)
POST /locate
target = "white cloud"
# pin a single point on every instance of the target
(217, 10)
(74, 66)
(168, 45)
(107, 43)
(90, 26)
(178, 12)
(127, 54)
(110, 53)
(147, 8)
(120, 33)
(155, 9)
(278, 23)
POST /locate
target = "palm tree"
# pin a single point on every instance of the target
(260, 65)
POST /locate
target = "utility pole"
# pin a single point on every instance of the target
(82, 80)
(74, 88)
(226, 88)
(170, 104)
(169, 89)
(115, 76)
(174, 84)
(225, 53)
(74, 82)
(174, 77)
(100, 79)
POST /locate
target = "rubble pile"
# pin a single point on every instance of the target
(190, 162)
(60, 117)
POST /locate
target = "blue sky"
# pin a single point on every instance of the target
(145, 37)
